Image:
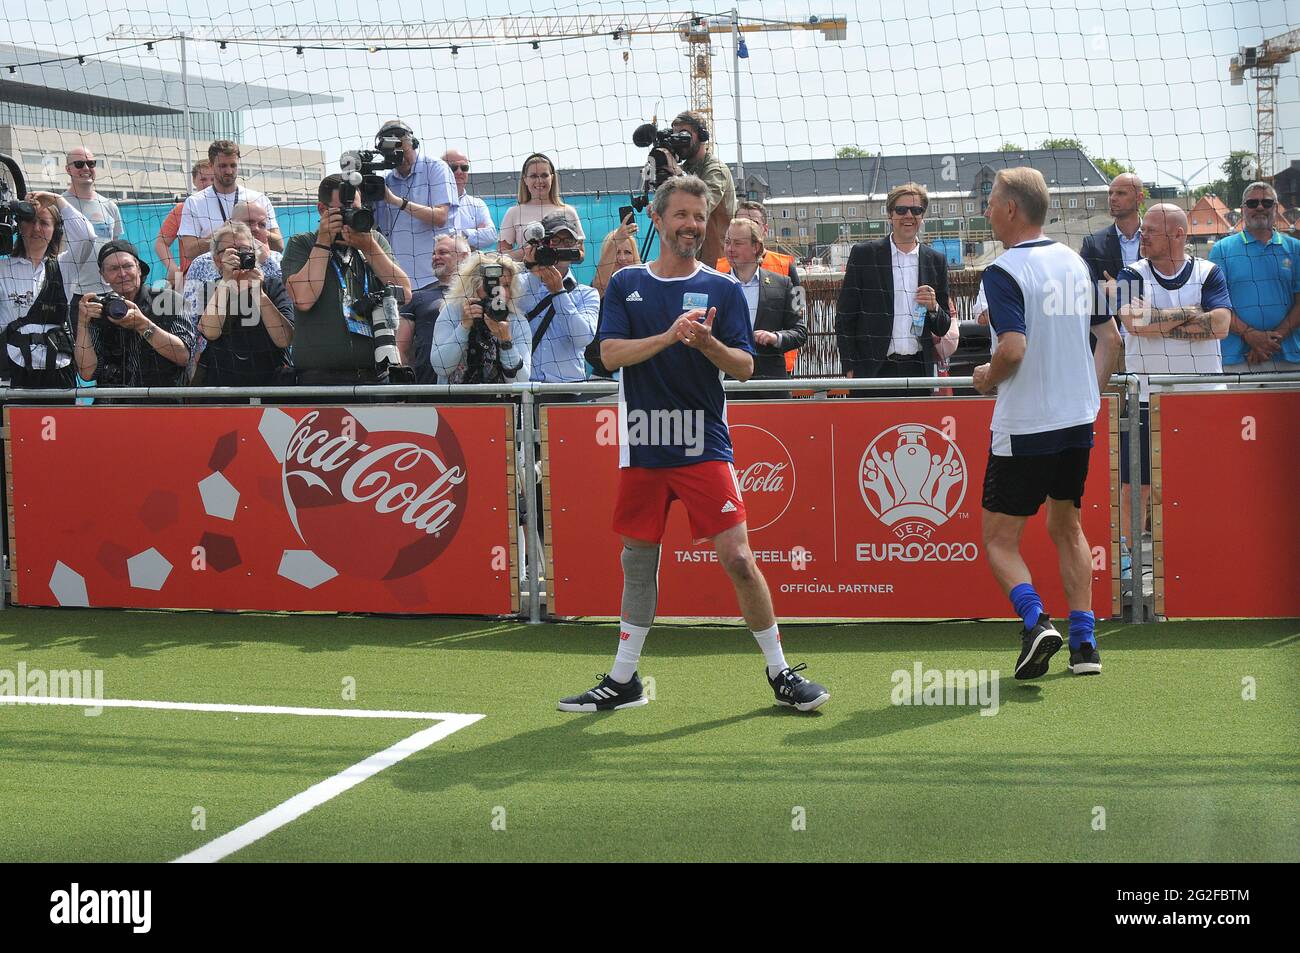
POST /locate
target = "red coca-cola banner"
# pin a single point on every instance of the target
(403, 509)
(1225, 480)
(857, 509)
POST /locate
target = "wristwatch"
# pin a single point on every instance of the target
(148, 332)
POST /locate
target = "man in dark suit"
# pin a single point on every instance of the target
(894, 300)
(775, 308)
(1114, 247)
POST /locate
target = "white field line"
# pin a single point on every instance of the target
(1289, 638)
(314, 796)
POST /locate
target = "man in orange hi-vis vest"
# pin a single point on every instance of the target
(773, 261)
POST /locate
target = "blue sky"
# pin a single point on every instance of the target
(1145, 81)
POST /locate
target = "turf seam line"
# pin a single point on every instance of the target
(240, 709)
(1289, 638)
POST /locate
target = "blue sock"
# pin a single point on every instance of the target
(1028, 606)
(1081, 629)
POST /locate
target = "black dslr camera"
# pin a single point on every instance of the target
(492, 278)
(247, 260)
(380, 309)
(543, 252)
(358, 219)
(12, 211)
(115, 306)
(656, 172)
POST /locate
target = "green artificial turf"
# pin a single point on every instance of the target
(1163, 741)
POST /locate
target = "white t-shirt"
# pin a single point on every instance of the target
(204, 212)
(21, 282)
(106, 223)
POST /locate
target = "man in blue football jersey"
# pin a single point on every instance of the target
(675, 327)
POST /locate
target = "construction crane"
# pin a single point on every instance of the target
(1262, 62)
(695, 29)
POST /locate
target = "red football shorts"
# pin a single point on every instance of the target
(708, 490)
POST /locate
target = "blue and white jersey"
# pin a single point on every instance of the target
(1199, 284)
(1042, 290)
(663, 402)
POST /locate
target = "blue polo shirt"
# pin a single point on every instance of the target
(430, 183)
(1263, 280)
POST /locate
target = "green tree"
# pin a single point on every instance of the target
(852, 152)
(1010, 147)
(1239, 171)
(1109, 167)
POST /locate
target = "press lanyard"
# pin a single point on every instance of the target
(221, 208)
(355, 325)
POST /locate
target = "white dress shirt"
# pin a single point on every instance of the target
(906, 266)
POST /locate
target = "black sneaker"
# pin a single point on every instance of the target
(609, 695)
(1085, 660)
(1037, 646)
(794, 690)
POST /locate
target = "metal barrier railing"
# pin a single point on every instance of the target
(531, 394)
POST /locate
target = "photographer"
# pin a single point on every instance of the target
(35, 287)
(698, 160)
(131, 336)
(561, 313)
(247, 319)
(481, 337)
(325, 271)
(420, 198)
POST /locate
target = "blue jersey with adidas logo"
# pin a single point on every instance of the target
(663, 400)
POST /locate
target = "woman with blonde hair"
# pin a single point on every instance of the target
(539, 196)
(481, 337)
(618, 250)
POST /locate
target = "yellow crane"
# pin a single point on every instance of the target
(1262, 62)
(695, 29)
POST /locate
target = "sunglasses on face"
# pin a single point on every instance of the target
(460, 167)
(917, 210)
(1260, 203)
(82, 163)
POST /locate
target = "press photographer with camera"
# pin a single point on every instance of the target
(692, 154)
(419, 200)
(481, 337)
(561, 312)
(326, 272)
(420, 314)
(248, 317)
(36, 283)
(131, 335)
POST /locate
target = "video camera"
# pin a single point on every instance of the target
(543, 252)
(361, 168)
(13, 211)
(380, 309)
(656, 171)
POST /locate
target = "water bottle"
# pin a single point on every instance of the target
(918, 321)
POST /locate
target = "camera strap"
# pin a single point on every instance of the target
(548, 301)
(355, 325)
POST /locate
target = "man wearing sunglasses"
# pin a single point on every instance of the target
(894, 301)
(469, 216)
(103, 215)
(419, 200)
(1263, 270)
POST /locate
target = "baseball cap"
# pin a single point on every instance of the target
(121, 245)
(560, 222)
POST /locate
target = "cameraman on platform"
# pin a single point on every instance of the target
(420, 197)
(325, 272)
(131, 336)
(699, 160)
(561, 313)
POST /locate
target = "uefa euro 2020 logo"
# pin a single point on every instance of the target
(913, 478)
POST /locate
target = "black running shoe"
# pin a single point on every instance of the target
(607, 696)
(1085, 660)
(794, 690)
(1038, 645)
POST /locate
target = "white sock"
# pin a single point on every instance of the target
(769, 640)
(630, 639)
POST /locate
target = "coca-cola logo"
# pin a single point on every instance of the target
(370, 495)
(765, 472)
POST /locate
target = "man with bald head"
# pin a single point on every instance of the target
(1175, 310)
(470, 217)
(1110, 249)
(105, 220)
